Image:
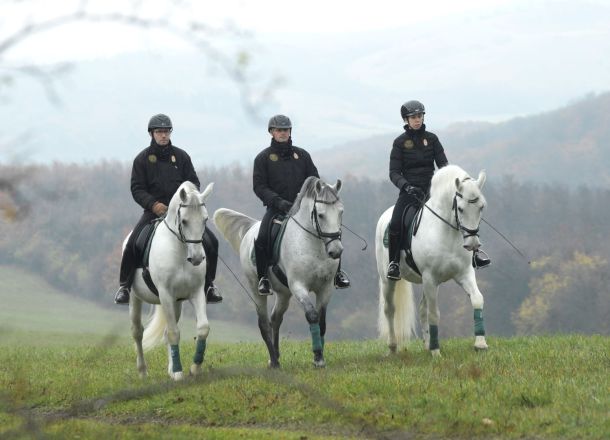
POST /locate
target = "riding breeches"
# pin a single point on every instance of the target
(261, 245)
(128, 262)
(402, 204)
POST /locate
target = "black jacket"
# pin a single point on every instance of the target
(157, 173)
(413, 156)
(280, 170)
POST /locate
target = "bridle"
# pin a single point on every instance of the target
(180, 233)
(466, 232)
(319, 234)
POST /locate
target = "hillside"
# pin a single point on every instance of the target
(31, 307)
(564, 145)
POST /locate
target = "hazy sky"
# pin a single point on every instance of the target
(345, 69)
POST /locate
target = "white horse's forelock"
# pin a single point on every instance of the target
(326, 194)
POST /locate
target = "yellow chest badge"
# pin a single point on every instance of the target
(408, 144)
(173, 158)
(273, 157)
(296, 156)
(425, 142)
(152, 158)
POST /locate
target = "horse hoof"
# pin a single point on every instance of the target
(392, 348)
(436, 353)
(273, 365)
(177, 376)
(195, 369)
(480, 344)
(321, 363)
(143, 374)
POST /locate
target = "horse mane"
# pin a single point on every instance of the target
(308, 190)
(443, 181)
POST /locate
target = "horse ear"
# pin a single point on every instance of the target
(183, 195)
(338, 185)
(482, 178)
(206, 192)
(458, 184)
(318, 185)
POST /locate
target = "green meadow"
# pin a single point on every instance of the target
(57, 381)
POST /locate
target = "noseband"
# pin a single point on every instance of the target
(180, 233)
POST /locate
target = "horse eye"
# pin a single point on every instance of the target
(460, 209)
(184, 222)
(320, 215)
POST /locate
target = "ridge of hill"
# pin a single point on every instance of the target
(563, 145)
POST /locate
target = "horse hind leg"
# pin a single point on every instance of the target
(137, 331)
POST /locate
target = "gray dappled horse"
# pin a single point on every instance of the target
(442, 250)
(176, 254)
(309, 257)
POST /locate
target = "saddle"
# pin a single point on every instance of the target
(277, 227)
(142, 252)
(411, 218)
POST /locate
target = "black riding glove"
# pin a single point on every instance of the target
(282, 205)
(414, 191)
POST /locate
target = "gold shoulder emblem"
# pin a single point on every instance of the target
(425, 142)
(408, 144)
(152, 158)
(173, 158)
(273, 157)
(295, 155)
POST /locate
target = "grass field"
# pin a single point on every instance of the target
(536, 387)
(67, 370)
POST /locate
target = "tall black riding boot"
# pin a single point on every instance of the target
(264, 286)
(394, 251)
(125, 278)
(210, 246)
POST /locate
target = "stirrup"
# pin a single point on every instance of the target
(212, 296)
(264, 287)
(393, 271)
(341, 280)
(480, 262)
(122, 296)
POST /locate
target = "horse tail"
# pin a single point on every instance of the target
(155, 329)
(233, 226)
(400, 292)
(404, 311)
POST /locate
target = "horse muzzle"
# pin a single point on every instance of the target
(472, 243)
(335, 249)
(195, 255)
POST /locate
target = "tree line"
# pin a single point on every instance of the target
(73, 219)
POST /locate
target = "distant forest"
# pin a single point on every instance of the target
(71, 220)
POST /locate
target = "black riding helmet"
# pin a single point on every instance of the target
(159, 121)
(411, 108)
(279, 121)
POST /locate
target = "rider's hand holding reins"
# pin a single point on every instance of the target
(283, 205)
(159, 209)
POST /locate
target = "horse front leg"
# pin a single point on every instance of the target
(277, 316)
(171, 310)
(469, 284)
(433, 315)
(203, 329)
(389, 310)
(313, 318)
(137, 330)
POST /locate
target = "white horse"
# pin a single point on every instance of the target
(176, 254)
(309, 257)
(442, 250)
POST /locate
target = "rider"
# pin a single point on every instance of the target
(157, 172)
(279, 172)
(412, 160)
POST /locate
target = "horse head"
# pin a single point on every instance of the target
(325, 211)
(187, 217)
(468, 204)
